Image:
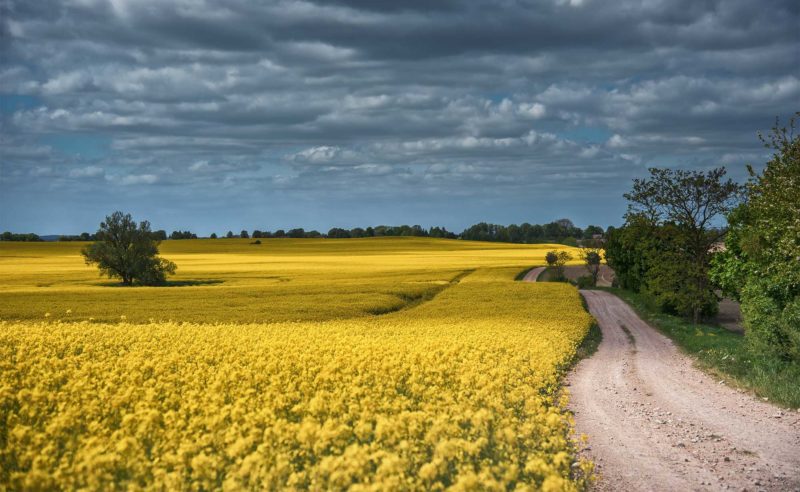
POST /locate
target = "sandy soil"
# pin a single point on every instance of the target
(654, 422)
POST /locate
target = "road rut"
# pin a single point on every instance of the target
(655, 422)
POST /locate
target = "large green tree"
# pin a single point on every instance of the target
(128, 251)
(670, 232)
(761, 263)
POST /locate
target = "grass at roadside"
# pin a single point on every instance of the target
(723, 353)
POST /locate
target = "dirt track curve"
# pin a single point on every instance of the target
(655, 422)
(533, 274)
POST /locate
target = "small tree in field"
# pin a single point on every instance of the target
(592, 258)
(555, 262)
(129, 252)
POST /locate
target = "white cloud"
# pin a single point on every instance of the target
(534, 110)
(86, 172)
(199, 166)
(317, 155)
(617, 141)
(134, 179)
(66, 82)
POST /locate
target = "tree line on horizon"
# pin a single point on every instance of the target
(561, 231)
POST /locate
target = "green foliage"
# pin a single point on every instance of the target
(555, 262)
(560, 231)
(626, 252)
(162, 235)
(570, 241)
(128, 252)
(591, 259)
(761, 264)
(10, 236)
(666, 245)
(586, 282)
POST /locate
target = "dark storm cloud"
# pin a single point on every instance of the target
(528, 107)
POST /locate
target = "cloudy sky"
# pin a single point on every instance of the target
(273, 114)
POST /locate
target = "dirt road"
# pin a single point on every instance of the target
(533, 274)
(655, 422)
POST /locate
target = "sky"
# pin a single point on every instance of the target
(216, 116)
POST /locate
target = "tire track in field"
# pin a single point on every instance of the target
(413, 300)
(655, 422)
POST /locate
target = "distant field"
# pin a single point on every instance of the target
(231, 280)
(460, 389)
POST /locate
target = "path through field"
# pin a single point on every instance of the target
(657, 423)
(533, 274)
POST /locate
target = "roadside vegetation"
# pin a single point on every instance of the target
(671, 263)
(760, 266)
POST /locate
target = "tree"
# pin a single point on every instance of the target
(129, 252)
(628, 252)
(760, 265)
(592, 259)
(213, 235)
(30, 237)
(244, 234)
(555, 262)
(338, 233)
(569, 241)
(229, 235)
(592, 231)
(689, 202)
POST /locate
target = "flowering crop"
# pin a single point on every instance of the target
(458, 392)
(232, 280)
(456, 387)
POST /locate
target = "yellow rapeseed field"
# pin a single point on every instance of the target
(227, 280)
(460, 392)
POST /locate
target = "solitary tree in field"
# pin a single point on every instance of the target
(128, 251)
(556, 261)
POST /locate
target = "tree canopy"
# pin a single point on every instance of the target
(671, 228)
(128, 251)
(761, 263)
